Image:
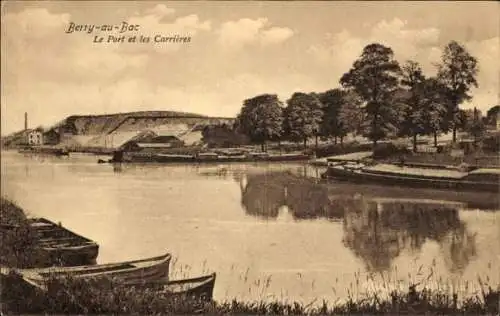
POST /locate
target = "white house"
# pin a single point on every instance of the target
(35, 137)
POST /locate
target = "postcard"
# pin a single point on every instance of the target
(250, 157)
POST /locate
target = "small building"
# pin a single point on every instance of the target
(157, 143)
(35, 137)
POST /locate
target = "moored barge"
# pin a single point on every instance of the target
(486, 180)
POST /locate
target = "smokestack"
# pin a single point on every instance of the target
(25, 120)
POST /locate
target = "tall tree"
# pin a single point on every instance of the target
(261, 118)
(435, 107)
(303, 116)
(351, 114)
(457, 71)
(412, 80)
(374, 76)
(333, 101)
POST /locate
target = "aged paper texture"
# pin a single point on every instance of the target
(251, 157)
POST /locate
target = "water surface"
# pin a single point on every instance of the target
(268, 230)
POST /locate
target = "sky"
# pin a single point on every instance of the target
(236, 50)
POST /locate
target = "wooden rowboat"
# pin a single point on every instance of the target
(63, 247)
(198, 289)
(144, 270)
(194, 291)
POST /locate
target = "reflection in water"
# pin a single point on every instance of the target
(379, 232)
(264, 194)
(220, 172)
(376, 232)
(117, 167)
(459, 247)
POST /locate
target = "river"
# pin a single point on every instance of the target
(270, 231)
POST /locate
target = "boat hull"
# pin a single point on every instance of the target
(162, 158)
(62, 247)
(195, 289)
(44, 151)
(359, 176)
(72, 256)
(145, 270)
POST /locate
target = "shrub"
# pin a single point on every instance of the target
(468, 147)
(492, 143)
(10, 213)
(18, 296)
(388, 150)
(340, 149)
(18, 246)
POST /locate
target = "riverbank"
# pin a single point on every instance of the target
(90, 297)
(418, 160)
(17, 246)
(72, 296)
(428, 160)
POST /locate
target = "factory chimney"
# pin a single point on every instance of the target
(25, 120)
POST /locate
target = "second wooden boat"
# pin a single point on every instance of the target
(144, 270)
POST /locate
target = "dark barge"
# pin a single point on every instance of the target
(485, 180)
(202, 157)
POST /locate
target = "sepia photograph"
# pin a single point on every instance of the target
(250, 157)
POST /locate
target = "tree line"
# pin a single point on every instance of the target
(378, 98)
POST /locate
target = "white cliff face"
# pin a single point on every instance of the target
(114, 130)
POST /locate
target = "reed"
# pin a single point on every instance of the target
(103, 296)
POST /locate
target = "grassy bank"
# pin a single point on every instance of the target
(72, 296)
(442, 159)
(18, 240)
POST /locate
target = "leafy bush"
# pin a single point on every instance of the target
(386, 150)
(492, 143)
(10, 213)
(446, 149)
(223, 136)
(18, 246)
(340, 149)
(468, 147)
(18, 297)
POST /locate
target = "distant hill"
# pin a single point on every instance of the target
(107, 123)
(112, 130)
